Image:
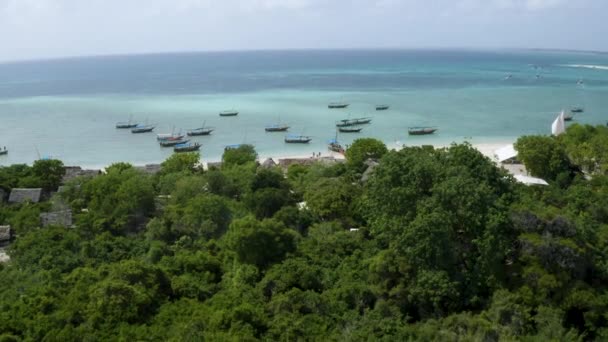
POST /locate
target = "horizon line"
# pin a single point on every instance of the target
(177, 52)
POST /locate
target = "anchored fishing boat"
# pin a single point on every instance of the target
(229, 113)
(128, 124)
(170, 143)
(382, 107)
(421, 130)
(353, 122)
(200, 131)
(276, 128)
(350, 129)
(297, 139)
(336, 105)
(577, 110)
(334, 146)
(187, 147)
(143, 128)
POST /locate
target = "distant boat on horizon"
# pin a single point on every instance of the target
(336, 105)
(577, 110)
(229, 113)
(3, 151)
(382, 107)
(421, 130)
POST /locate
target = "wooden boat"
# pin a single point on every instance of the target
(297, 139)
(577, 110)
(568, 117)
(276, 128)
(128, 124)
(200, 131)
(187, 147)
(336, 105)
(3, 152)
(143, 128)
(170, 143)
(421, 130)
(229, 113)
(382, 107)
(350, 129)
(334, 146)
(169, 137)
(353, 122)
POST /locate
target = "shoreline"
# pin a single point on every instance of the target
(485, 148)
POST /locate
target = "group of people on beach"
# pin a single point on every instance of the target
(316, 154)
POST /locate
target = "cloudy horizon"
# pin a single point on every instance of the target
(40, 29)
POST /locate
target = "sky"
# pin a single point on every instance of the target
(38, 29)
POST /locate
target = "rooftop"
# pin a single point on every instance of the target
(21, 195)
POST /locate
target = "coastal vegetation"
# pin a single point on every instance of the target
(430, 244)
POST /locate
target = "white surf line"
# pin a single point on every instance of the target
(586, 66)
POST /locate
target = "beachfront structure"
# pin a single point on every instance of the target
(527, 180)
(23, 195)
(150, 169)
(506, 154)
(72, 172)
(269, 163)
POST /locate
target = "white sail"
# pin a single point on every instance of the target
(558, 127)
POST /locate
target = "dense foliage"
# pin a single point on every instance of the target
(437, 244)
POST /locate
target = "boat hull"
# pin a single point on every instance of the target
(425, 131)
(197, 133)
(337, 105)
(125, 125)
(350, 130)
(142, 130)
(382, 107)
(191, 148)
(229, 113)
(335, 148)
(171, 143)
(3, 152)
(276, 129)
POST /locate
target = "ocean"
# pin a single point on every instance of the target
(68, 108)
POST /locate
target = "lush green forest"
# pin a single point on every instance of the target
(435, 244)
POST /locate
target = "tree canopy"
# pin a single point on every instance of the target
(437, 244)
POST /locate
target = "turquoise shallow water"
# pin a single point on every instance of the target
(68, 109)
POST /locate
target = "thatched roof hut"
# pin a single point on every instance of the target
(72, 172)
(269, 163)
(20, 195)
(149, 168)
